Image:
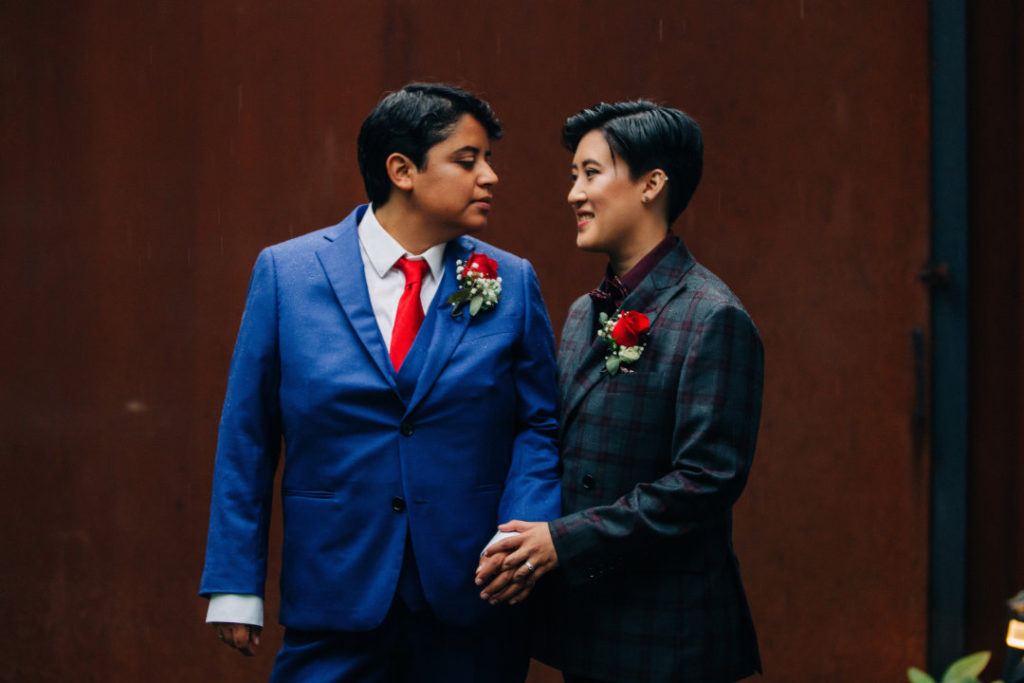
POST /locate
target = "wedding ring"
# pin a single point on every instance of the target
(529, 566)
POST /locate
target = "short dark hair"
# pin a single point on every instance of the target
(410, 122)
(647, 136)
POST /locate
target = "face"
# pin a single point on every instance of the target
(607, 203)
(452, 191)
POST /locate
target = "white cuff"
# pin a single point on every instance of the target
(497, 537)
(231, 608)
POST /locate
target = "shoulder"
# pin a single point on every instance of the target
(304, 247)
(707, 295)
(580, 306)
(516, 273)
(504, 258)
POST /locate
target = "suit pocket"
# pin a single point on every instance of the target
(478, 329)
(308, 493)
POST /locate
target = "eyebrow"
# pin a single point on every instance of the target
(471, 148)
(595, 162)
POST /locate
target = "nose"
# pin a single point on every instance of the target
(576, 193)
(487, 175)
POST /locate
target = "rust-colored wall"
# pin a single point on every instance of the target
(149, 149)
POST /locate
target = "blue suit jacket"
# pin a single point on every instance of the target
(371, 456)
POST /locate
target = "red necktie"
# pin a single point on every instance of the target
(410, 310)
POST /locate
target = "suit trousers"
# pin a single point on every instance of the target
(409, 647)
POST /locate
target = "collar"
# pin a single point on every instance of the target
(383, 251)
(643, 268)
(613, 290)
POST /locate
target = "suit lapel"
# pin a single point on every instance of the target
(343, 265)
(666, 280)
(448, 330)
(583, 374)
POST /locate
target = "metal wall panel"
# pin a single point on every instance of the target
(151, 148)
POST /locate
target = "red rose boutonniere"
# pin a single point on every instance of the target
(626, 337)
(479, 284)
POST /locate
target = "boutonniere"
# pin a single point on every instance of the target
(626, 337)
(479, 284)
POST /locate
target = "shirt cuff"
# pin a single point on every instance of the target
(498, 537)
(231, 608)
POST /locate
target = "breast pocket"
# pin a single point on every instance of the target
(481, 329)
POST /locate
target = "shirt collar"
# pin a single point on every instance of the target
(383, 251)
(643, 268)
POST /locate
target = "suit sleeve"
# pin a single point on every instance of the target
(718, 409)
(248, 447)
(532, 486)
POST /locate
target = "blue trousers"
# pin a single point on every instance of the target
(409, 647)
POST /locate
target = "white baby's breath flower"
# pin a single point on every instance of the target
(631, 354)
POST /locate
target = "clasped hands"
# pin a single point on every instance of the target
(510, 567)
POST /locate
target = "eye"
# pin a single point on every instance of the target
(590, 172)
(467, 164)
(574, 177)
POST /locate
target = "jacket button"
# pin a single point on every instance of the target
(588, 481)
(397, 504)
(406, 428)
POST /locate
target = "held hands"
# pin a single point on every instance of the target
(513, 565)
(243, 637)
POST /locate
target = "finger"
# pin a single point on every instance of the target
(248, 647)
(505, 545)
(525, 571)
(523, 594)
(514, 525)
(488, 568)
(509, 593)
(496, 585)
(236, 635)
(515, 560)
(226, 634)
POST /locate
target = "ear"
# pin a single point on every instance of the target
(400, 170)
(653, 184)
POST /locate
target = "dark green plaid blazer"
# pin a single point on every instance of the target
(649, 587)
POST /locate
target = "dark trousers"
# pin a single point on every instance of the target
(409, 647)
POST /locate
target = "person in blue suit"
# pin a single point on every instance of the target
(409, 370)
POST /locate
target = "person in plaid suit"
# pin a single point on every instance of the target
(660, 375)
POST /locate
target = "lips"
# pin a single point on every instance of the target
(583, 217)
(483, 203)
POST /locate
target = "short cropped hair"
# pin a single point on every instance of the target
(410, 122)
(647, 136)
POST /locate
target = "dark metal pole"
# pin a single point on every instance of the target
(948, 543)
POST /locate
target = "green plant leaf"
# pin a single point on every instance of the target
(967, 667)
(612, 365)
(475, 303)
(602, 318)
(915, 675)
(458, 296)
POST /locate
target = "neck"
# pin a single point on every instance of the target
(407, 227)
(643, 240)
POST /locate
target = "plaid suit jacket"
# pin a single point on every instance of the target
(649, 587)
